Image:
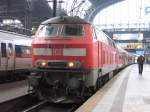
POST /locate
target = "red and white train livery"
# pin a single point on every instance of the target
(71, 58)
(15, 54)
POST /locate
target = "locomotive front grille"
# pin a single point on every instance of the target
(57, 64)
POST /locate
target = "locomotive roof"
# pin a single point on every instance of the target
(66, 20)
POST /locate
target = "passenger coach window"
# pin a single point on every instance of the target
(48, 31)
(22, 49)
(3, 49)
(72, 30)
(18, 49)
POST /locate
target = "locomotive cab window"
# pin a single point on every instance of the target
(48, 31)
(72, 30)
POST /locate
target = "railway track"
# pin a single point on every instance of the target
(36, 107)
(45, 106)
(16, 105)
(28, 103)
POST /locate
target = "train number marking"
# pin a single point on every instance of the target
(57, 52)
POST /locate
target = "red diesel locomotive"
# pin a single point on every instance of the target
(72, 59)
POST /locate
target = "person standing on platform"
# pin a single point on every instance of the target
(140, 62)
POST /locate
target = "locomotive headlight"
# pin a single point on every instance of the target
(71, 64)
(43, 64)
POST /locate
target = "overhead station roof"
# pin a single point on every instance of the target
(33, 12)
(97, 6)
(66, 20)
(87, 9)
(30, 12)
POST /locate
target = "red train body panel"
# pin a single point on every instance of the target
(71, 52)
(67, 46)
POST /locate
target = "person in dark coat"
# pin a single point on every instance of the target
(140, 62)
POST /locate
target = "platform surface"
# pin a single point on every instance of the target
(126, 92)
(13, 90)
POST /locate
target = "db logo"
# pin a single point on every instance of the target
(57, 52)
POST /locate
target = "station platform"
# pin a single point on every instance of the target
(13, 90)
(126, 92)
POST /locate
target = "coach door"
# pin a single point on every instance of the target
(3, 56)
(10, 56)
